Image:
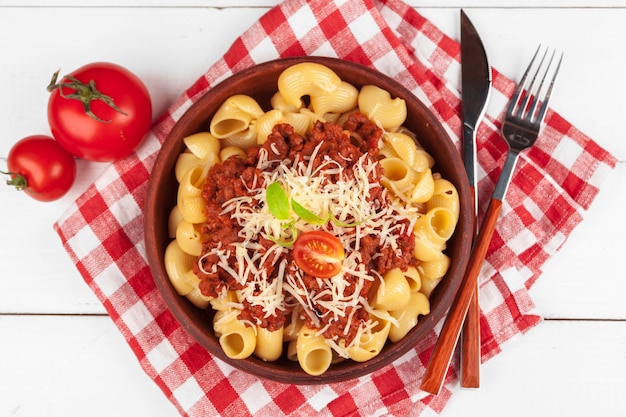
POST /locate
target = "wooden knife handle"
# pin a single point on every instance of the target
(470, 345)
(442, 354)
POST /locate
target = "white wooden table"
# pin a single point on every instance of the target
(60, 355)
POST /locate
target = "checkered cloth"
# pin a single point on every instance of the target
(103, 233)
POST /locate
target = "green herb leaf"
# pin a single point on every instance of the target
(277, 201)
(305, 214)
(286, 243)
(340, 223)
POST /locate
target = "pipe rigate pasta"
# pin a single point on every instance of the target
(203, 145)
(376, 103)
(232, 151)
(370, 344)
(445, 195)
(235, 116)
(237, 340)
(342, 99)
(266, 122)
(306, 79)
(407, 318)
(184, 163)
(188, 237)
(432, 272)
(190, 202)
(177, 263)
(269, 344)
(393, 292)
(314, 354)
(391, 299)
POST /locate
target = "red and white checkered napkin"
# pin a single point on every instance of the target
(103, 230)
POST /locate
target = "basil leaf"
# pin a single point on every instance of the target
(286, 243)
(341, 223)
(277, 201)
(305, 214)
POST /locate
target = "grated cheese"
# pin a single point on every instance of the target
(348, 201)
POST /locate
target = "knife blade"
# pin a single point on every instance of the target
(475, 92)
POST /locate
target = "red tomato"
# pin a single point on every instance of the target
(40, 167)
(319, 254)
(100, 112)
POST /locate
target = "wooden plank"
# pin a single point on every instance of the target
(61, 366)
(585, 279)
(590, 40)
(195, 37)
(38, 276)
(560, 368)
(536, 4)
(72, 366)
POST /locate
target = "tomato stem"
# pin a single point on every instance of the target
(85, 93)
(17, 180)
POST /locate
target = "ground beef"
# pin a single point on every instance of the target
(236, 176)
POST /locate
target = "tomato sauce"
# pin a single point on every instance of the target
(236, 177)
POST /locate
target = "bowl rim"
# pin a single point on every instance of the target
(180, 307)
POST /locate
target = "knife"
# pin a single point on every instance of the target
(475, 89)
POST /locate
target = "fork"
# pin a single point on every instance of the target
(522, 123)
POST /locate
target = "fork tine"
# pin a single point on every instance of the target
(528, 90)
(544, 105)
(518, 90)
(532, 93)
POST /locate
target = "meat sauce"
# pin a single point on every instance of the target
(235, 177)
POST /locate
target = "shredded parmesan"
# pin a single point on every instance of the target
(348, 200)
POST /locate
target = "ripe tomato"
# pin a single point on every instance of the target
(41, 168)
(319, 254)
(100, 112)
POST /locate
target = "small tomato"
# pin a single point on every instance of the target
(100, 112)
(41, 168)
(318, 254)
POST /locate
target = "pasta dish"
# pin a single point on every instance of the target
(314, 230)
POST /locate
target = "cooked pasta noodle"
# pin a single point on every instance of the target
(266, 122)
(376, 103)
(188, 236)
(177, 264)
(314, 354)
(245, 319)
(432, 272)
(393, 292)
(203, 145)
(237, 340)
(306, 79)
(269, 344)
(371, 343)
(340, 100)
(445, 195)
(172, 222)
(235, 116)
(407, 318)
(229, 151)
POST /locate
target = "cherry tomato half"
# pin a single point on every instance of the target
(100, 112)
(319, 254)
(41, 168)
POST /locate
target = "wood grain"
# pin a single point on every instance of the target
(470, 335)
(60, 357)
(449, 335)
(470, 344)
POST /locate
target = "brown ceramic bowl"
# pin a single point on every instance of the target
(260, 83)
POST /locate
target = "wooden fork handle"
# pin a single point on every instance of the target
(470, 337)
(442, 354)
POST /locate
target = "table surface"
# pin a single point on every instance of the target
(60, 355)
